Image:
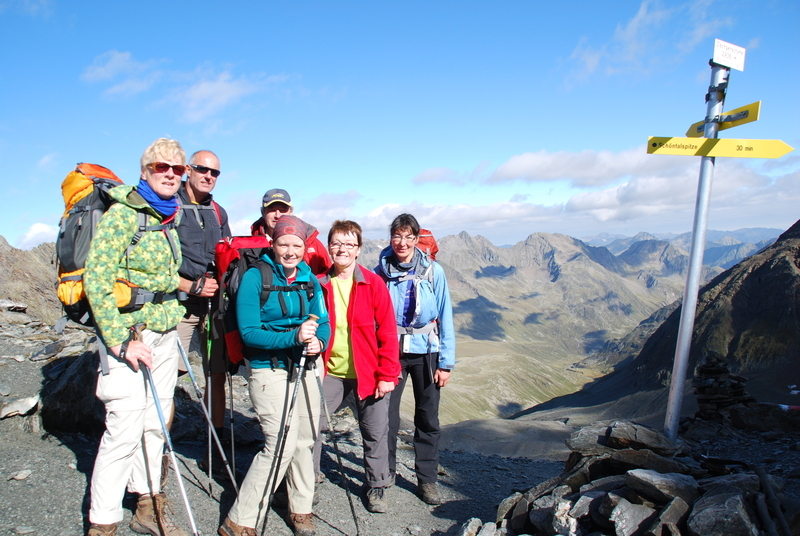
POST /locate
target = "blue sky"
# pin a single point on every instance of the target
(497, 118)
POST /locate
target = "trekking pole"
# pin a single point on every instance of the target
(233, 439)
(272, 478)
(345, 480)
(208, 391)
(170, 449)
(165, 431)
(199, 395)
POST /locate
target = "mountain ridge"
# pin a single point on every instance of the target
(542, 305)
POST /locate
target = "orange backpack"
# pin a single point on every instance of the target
(85, 191)
(86, 199)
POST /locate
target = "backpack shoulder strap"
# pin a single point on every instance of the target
(217, 211)
(267, 277)
(195, 209)
(428, 274)
(142, 218)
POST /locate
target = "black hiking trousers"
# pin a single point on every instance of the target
(420, 368)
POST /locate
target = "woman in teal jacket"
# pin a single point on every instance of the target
(276, 333)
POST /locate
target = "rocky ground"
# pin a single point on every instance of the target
(45, 474)
(52, 498)
(45, 465)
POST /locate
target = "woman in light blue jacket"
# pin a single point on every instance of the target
(424, 318)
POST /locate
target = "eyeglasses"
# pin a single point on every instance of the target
(397, 239)
(162, 167)
(349, 246)
(283, 208)
(202, 170)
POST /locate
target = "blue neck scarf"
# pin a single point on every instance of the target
(165, 207)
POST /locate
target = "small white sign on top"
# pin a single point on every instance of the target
(729, 55)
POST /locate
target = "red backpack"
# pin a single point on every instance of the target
(427, 243)
(234, 256)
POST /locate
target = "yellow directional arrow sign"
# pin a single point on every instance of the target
(730, 147)
(734, 118)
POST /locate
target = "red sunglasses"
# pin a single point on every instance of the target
(162, 167)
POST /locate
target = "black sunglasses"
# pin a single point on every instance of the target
(202, 170)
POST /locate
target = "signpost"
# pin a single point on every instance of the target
(734, 118)
(703, 142)
(728, 55)
(718, 147)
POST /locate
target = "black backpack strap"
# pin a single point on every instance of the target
(267, 275)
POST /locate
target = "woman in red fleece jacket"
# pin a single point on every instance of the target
(363, 355)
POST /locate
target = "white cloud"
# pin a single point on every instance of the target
(241, 226)
(440, 174)
(211, 95)
(36, 234)
(657, 195)
(585, 168)
(33, 8)
(46, 161)
(133, 86)
(114, 64)
(451, 176)
(629, 49)
(197, 94)
(631, 41)
(703, 24)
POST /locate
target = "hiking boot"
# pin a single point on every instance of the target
(96, 529)
(153, 516)
(303, 524)
(229, 528)
(429, 493)
(376, 501)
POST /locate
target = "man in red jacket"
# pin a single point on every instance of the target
(363, 355)
(276, 203)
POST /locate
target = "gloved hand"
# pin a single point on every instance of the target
(233, 368)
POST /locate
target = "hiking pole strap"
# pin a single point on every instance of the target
(102, 352)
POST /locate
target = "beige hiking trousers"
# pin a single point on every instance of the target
(131, 447)
(271, 393)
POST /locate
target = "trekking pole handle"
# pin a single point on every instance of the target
(313, 317)
(136, 331)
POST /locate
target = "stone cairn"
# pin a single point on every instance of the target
(717, 389)
(625, 479)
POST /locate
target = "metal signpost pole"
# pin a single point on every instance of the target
(716, 99)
